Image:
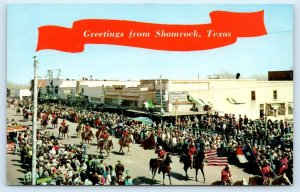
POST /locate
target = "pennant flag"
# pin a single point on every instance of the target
(240, 155)
(249, 153)
(149, 105)
(233, 101)
(214, 160)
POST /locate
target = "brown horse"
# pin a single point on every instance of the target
(216, 183)
(222, 183)
(161, 166)
(63, 131)
(279, 180)
(186, 160)
(98, 134)
(87, 136)
(125, 142)
(44, 123)
(54, 122)
(108, 146)
(78, 130)
(199, 164)
(241, 182)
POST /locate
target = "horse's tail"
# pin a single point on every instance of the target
(150, 164)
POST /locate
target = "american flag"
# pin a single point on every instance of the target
(212, 159)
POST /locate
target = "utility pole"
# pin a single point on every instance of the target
(266, 125)
(33, 169)
(160, 86)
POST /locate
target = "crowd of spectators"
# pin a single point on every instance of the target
(270, 141)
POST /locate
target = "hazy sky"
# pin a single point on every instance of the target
(248, 56)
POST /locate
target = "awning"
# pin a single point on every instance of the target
(194, 100)
(111, 106)
(16, 128)
(206, 102)
(275, 106)
(233, 101)
(144, 120)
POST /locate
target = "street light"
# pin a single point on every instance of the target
(33, 169)
(160, 87)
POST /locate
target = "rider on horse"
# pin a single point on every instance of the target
(192, 151)
(63, 123)
(104, 136)
(54, 120)
(226, 175)
(87, 128)
(98, 123)
(160, 156)
(283, 164)
(161, 153)
(125, 135)
(266, 172)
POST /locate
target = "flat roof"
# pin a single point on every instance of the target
(168, 114)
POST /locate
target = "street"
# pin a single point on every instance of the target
(137, 164)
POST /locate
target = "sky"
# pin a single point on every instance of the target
(248, 56)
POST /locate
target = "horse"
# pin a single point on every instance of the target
(26, 116)
(18, 110)
(216, 183)
(78, 130)
(63, 131)
(125, 143)
(227, 184)
(98, 134)
(108, 146)
(44, 123)
(199, 164)
(241, 182)
(54, 122)
(278, 180)
(186, 160)
(161, 166)
(87, 137)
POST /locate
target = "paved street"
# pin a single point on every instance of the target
(137, 164)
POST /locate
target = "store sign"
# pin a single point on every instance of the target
(178, 96)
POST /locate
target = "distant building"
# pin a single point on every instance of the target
(236, 96)
(41, 86)
(22, 93)
(280, 75)
(250, 97)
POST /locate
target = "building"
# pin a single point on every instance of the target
(280, 75)
(95, 89)
(236, 96)
(91, 91)
(250, 97)
(122, 96)
(22, 93)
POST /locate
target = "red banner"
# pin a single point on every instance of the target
(224, 29)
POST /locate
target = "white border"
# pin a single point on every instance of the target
(4, 187)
